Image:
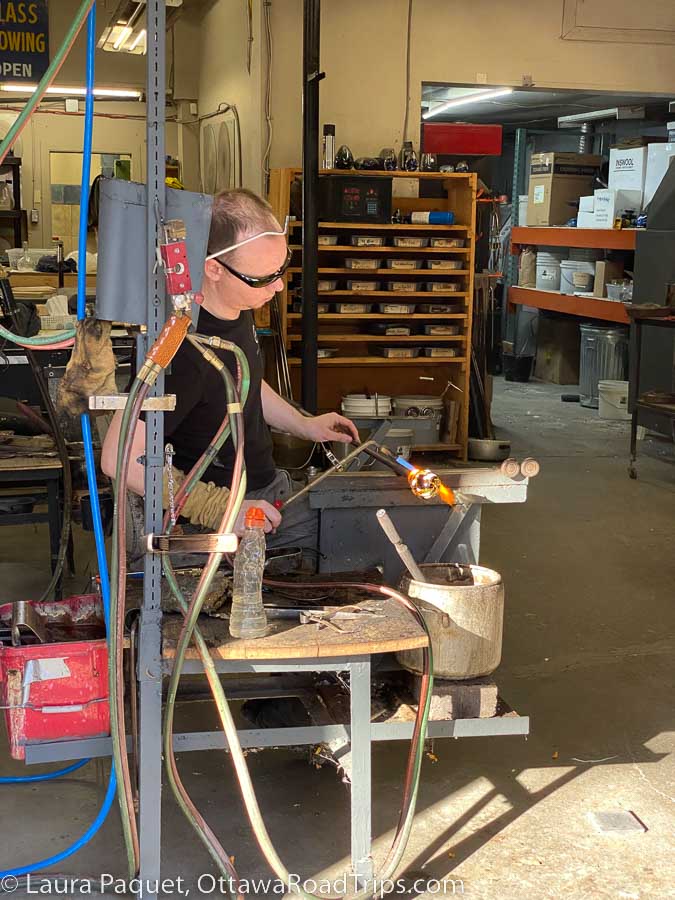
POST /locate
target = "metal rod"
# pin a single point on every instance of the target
(348, 458)
(310, 188)
(402, 549)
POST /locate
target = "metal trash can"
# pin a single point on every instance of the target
(604, 355)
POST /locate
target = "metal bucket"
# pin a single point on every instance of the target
(465, 620)
(604, 356)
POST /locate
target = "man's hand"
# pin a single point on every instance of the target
(330, 427)
(272, 516)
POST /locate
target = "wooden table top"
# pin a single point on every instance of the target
(28, 463)
(392, 629)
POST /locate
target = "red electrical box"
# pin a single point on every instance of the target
(54, 692)
(457, 139)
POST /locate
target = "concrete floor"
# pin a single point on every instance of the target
(589, 567)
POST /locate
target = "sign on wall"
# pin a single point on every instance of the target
(24, 40)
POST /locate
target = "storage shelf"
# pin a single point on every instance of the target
(342, 317)
(598, 238)
(347, 248)
(588, 307)
(357, 274)
(438, 446)
(380, 360)
(397, 173)
(382, 338)
(370, 226)
(395, 296)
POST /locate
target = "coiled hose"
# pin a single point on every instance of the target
(190, 629)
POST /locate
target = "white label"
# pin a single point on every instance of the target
(539, 192)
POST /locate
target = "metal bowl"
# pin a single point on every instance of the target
(488, 451)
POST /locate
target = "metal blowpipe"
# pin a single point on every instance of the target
(402, 549)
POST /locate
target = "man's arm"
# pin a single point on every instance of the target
(280, 414)
(109, 453)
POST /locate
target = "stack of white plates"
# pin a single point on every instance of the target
(355, 405)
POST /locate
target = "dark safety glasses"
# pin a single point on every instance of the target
(261, 280)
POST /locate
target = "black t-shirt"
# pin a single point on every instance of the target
(201, 404)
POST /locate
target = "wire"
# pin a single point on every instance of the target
(46, 776)
(407, 70)
(267, 6)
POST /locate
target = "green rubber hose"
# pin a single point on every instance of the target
(47, 78)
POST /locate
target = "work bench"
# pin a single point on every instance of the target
(286, 661)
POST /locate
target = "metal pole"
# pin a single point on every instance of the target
(310, 188)
(150, 634)
(518, 185)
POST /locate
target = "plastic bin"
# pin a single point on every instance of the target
(54, 692)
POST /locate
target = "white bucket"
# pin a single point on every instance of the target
(567, 269)
(548, 272)
(613, 400)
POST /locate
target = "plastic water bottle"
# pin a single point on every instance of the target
(248, 619)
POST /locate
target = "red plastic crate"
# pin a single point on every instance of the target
(54, 692)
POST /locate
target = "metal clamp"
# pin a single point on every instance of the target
(191, 543)
(167, 403)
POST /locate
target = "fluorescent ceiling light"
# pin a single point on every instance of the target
(27, 89)
(139, 37)
(596, 115)
(123, 35)
(475, 97)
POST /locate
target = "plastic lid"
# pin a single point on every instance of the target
(254, 518)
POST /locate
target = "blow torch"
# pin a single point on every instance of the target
(423, 483)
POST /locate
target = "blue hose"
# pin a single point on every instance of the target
(90, 466)
(47, 776)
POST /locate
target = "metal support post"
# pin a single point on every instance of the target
(362, 861)
(310, 190)
(517, 187)
(150, 635)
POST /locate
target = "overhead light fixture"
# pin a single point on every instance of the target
(475, 97)
(597, 115)
(137, 40)
(125, 32)
(112, 93)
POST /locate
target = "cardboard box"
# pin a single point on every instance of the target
(558, 350)
(586, 204)
(627, 169)
(659, 157)
(585, 220)
(556, 179)
(606, 270)
(610, 203)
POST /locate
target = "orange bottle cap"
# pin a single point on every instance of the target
(254, 518)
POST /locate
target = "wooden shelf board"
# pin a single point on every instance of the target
(394, 296)
(357, 274)
(380, 360)
(391, 317)
(598, 238)
(370, 226)
(384, 251)
(397, 173)
(588, 307)
(383, 338)
(439, 446)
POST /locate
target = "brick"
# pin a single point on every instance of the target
(474, 699)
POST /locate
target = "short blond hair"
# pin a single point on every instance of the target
(236, 215)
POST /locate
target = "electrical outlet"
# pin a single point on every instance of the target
(481, 77)
(193, 109)
(34, 216)
(72, 105)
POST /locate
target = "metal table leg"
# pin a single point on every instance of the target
(634, 390)
(362, 861)
(54, 527)
(459, 539)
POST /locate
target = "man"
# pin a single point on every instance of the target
(247, 256)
